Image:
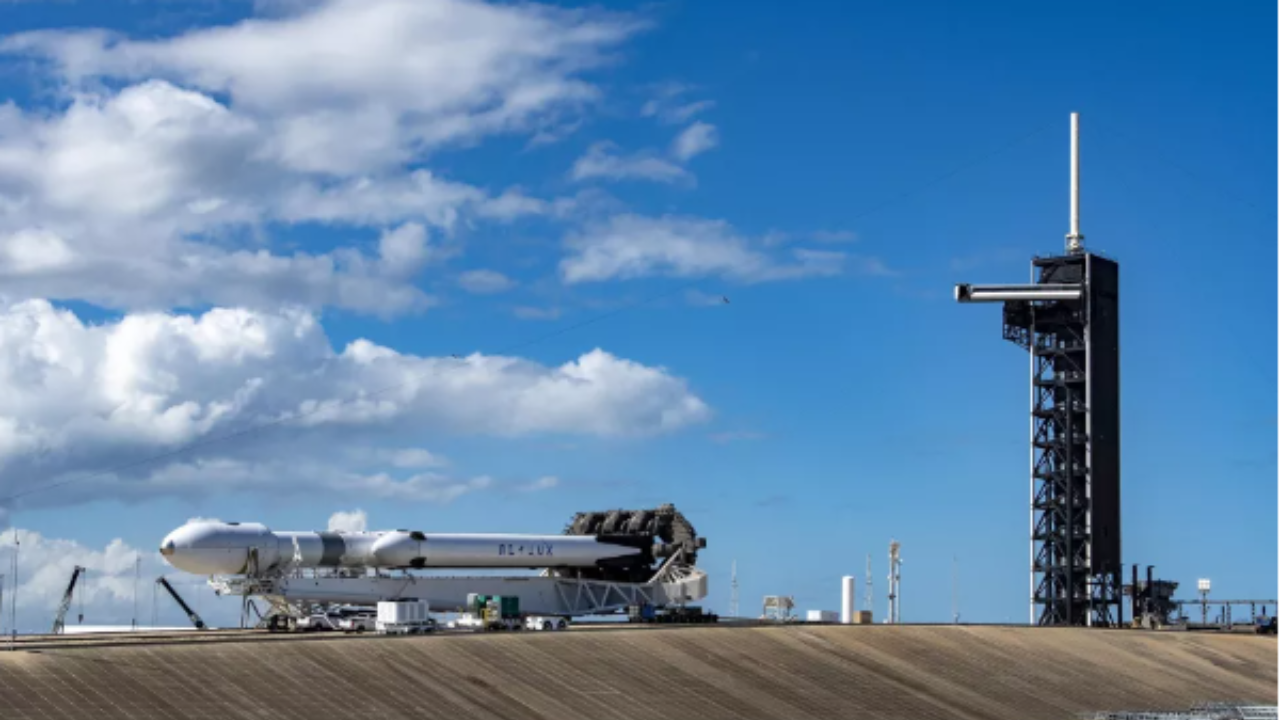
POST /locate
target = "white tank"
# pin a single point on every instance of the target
(847, 598)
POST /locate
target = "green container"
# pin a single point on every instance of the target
(510, 606)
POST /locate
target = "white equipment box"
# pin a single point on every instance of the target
(396, 617)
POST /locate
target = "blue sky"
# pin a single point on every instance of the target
(849, 405)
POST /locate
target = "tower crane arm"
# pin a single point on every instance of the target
(59, 620)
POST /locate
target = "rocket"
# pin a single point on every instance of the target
(228, 548)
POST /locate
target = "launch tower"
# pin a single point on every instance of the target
(1068, 320)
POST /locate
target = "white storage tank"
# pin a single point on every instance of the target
(847, 599)
(823, 616)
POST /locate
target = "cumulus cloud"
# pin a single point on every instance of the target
(162, 177)
(45, 565)
(695, 140)
(631, 246)
(410, 74)
(353, 521)
(106, 590)
(77, 399)
(190, 274)
(485, 282)
(601, 161)
(138, 200)
(414, 458)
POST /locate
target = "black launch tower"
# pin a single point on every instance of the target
(1068, 320)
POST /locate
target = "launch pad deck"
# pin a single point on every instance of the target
(622, 672)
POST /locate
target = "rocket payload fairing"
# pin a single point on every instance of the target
(218, 548)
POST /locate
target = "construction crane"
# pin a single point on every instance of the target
(195, 619)
(59, 621)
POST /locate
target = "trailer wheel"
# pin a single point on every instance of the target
(561, 625)
(546, 624)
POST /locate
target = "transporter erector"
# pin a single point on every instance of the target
(603, 562)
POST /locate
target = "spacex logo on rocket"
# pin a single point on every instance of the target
(543, 549)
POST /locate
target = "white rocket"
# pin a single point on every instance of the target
(218, 548)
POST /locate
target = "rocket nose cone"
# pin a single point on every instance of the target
(169, 548)
(188, 548)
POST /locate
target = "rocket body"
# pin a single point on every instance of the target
(217, 548)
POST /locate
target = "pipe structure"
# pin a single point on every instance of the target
(966, 293)
(1074, 238)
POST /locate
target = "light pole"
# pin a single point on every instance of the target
(137, 572)
(13, 603)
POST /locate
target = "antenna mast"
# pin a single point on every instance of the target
(1075, 241)
(868, 597)
(733, 592)
(955, 590)
(895, 574)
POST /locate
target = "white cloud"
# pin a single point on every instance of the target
(423, 487)
(546, 482)
(668, 106)
(403, 251)
(164, 184)
(415, 458)
(45, 566)
(33, 251)
(485, 282)
(412, 73)
(79, 399)
(353, 521)
(632, 246)
(601, 162)
(319, 471)
(135, 200)
(106, 591)
(695, 140)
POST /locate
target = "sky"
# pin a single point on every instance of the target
(466, 266)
